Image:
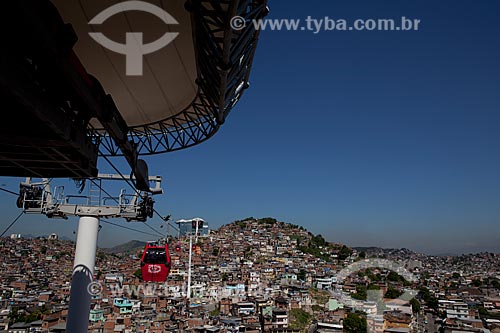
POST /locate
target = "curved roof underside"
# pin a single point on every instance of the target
(167, 85)
(183, 97)
(188, 87)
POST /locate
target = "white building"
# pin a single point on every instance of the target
(455, 309)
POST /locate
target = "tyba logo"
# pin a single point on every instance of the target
(133, 49)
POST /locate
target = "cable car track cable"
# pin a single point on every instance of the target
(9, 191)
(128, 228)
(110, 196)
(13, 222)
(150, 227)
(133, 188)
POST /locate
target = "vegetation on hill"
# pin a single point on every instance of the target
(15, 316)
(307, 242)
(415, 305)
(138, 274)
(319, 296)
(299, 319)
(317, 246)
(355, 323)
(429, 300)
(392, 293)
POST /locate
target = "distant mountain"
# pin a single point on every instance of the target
(126, 248)
(368, 248)
(378, 251)
(30, 236)
(445, 254)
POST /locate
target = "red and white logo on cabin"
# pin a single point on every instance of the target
(153, 269)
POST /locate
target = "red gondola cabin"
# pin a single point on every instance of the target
(155, 263)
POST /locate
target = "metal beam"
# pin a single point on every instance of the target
(220, 74)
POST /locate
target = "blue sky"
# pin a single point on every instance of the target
(370, 138)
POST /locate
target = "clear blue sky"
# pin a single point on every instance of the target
(370, 138)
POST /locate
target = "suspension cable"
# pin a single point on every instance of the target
(158, 232)
(9, 191)
(109, 195)
(133, 187)
(128, 228)
(13, 222)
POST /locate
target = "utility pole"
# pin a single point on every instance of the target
(83, 274)
(188, 296)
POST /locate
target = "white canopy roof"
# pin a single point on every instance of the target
(167, 85)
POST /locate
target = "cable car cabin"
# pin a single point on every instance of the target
(155, 263)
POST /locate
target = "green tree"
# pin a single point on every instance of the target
(241, 224)
(429, 300)
(215, 312)
(483, 312)
(267, 220)
(13, 315)
(316, 308)
(301, 275)
(138, 274)
(476, 283)
(344, 252)
(311, 249)
(495, 283)
(392, 293)
(360, 292)
(318, 240)
(31, 317)
(44, 309)
(354, 323)
(393, 277)
(415, 305)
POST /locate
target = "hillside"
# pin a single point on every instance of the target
(303, 240)
(272, 230)
(126, 248)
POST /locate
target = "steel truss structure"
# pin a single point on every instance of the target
(52, 98)
(224, 58)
